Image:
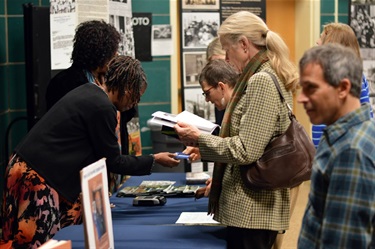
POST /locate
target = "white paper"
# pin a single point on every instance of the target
(197, 176)
(92, 10)
(62, 27)
(196, 218)
(167, 119)
(196, 167)
(161, 40)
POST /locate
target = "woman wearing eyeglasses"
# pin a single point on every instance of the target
(253, 117)
(217, 81)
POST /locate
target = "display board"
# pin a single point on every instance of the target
(361, 19)
(200, 21)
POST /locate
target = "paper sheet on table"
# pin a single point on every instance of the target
(196, 218)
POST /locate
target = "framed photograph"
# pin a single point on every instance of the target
(200, 4)
(362, 14)
(193, 63)
(199, 28)
(361, 20)
(194, 102)
(96, 206)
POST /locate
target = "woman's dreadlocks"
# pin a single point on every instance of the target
(125, 74)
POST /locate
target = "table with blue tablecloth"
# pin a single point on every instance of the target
(154, 226)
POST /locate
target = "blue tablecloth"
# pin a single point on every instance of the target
(154, 227)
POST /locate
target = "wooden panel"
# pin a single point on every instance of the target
(280, 16)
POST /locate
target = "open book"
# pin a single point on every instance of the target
(168, 119)
(96, 207)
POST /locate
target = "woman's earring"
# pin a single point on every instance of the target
(222, 101)
(245, 50)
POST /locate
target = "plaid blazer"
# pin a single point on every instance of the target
(258, 117)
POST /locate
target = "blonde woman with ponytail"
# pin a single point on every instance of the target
(254, 116)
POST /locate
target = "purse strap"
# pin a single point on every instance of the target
(290, 112)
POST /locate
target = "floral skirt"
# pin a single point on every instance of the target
(32, 211)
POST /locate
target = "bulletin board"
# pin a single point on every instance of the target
(200, 21)
(361, 19)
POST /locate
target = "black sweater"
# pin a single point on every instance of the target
(73, 77)
(77, 131)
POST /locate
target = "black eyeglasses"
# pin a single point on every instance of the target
(207, 92)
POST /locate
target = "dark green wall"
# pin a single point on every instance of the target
(327, 11)
(12, 74)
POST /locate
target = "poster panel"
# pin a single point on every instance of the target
(199, 28)
(362, 15)
(193, 64)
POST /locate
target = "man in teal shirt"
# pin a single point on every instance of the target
(341, 208)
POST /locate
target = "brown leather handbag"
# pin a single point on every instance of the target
(286, 161)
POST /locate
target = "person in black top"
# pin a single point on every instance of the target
(94, 45)
(42, 190)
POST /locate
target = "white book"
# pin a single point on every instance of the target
(168, 119)
(96, 206)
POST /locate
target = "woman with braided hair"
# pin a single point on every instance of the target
(42, 189)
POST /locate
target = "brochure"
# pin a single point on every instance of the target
(169, 120)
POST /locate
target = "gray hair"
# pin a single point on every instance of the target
(216, 71)
(337, 62)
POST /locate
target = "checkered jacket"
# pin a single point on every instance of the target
(258, 117)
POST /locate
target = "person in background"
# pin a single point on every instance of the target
(343, 34)
(254, 116)
(214, 52)
(42, 186)
(340, 212)
(217, 81)
(95, 43)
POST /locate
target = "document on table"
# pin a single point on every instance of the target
(196, 218)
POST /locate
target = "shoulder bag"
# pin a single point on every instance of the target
(286, 161)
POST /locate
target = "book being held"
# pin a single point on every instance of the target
(169, 120)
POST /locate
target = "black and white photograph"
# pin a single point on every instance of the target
(120, 16)
(367, 54)
(199, 28)
(200, 4)
(62, 6)
(162, 32)
(363, 23)
(196, 103)
(161, 44)
(193, 63)
(362, 20)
